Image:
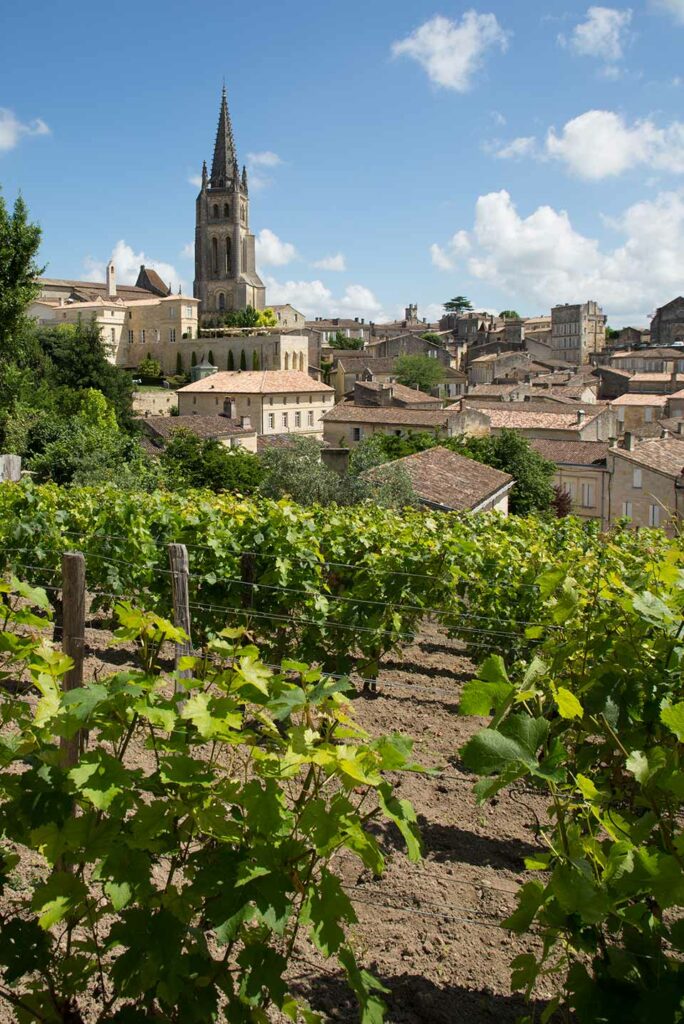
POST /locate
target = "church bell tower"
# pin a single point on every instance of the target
(225, 267)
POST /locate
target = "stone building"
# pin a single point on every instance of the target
(348, 423)
(640, 413)
(578, 331)
(581, 472)
(647, 482)
(566, 422)
(134, 320)
(274, 402)
(667, 326)
(225, 251)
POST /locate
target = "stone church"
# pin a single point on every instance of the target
(225, 268)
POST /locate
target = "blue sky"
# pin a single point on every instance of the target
(519, 153)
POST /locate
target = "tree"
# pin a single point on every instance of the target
(150, 367)
(419, 372)
(193, 360)
(243, 360)
(179, 364)
(509, 314)
(255, 360)
(436, 339)
(231, 360)
(267, 318)
(341, 341)
(211, 357)
(19, 242)
(561, 502)
(190, 462)
(611, 333)
(459, 304)
(298, 473)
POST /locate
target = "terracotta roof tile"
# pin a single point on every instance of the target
(442, 477)
(637, 399)
(217, 426)
(347, 412)
(665, 455)
(576, 453)
(257, 382)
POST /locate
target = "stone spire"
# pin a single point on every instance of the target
(205, 177)
(224, 149)
(244, 178)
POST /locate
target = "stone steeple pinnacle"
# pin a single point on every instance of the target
(224, 148)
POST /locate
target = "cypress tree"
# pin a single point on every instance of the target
(193, 361)
(231, 360)
(255, 360)
(179, 364)
(243, 360)
(211, 357)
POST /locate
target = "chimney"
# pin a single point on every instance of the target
(680, 427)
(111, 281)
(629, 441)
(245, 423)
(229, 408)
(580, 416)
(665, 433)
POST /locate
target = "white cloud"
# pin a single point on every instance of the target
(337, 262)
(271, 251)
(313, 298)
(127, 264)
(452, 52)
(196, 180)
(446, 258)
(673, 7)
(600, 144)
(265, 159)
(543, 260)
(12, 130)
(188, 251)
(604, 34)
(524, 145)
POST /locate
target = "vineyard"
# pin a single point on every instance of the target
(578, 703)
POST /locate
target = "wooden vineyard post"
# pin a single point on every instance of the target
(10, 468)
(180, 576)
(73, 641)
(248, 573)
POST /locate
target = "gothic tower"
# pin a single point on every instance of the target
(225, 269)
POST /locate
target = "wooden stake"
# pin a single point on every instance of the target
(248, 567)
(180, 575)
(10, 468)
(73, 602)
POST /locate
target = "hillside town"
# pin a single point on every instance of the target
(605, 408)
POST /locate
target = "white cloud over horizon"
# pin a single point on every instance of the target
(451, 52)
(602, 144)
(127, 265)
(12, 130)
(313, 298)
(335, 263)
(604, 34)
(271, 251)
(542, 258)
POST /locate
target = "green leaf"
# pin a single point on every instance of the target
(515, 742)
(481, 698)
(401, 812)
(100, 778)
(328, 911)
(59, 896)
(493, 670)
(366, 988)
(530, 898)
(673, 717)
(567, 703)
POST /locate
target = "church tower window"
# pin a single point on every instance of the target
(216, 211)
(228, 254)
(214, 255)
(221, 300)
(226, 210)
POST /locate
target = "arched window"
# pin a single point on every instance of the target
(214, 255)
(226, 210)
(215, 211)
(228, 254)
(301, 361)
(221, 301)
(287, 360)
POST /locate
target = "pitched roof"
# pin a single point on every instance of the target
(636, 399)
(575, 453)
(663, 454)
(495, 390)
(649, 353)
(92, 290)
(658, 378)
(162, 427)
(442, 477)
(408, 396)
(347, 412)
(257, 382)
(150, 279)
(531, 415)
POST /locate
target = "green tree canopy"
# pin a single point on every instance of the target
(19, 242)
(150, 367)
(436, 339)
(459, 304)
(419, 372)
(509, 314)
(341, 341)
(189, 462)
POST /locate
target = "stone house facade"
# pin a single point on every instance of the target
(348, 424)
(274, 402)
(667, 326)
(267, 350)
(578, 331)
(647, 483)
(581, 472)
